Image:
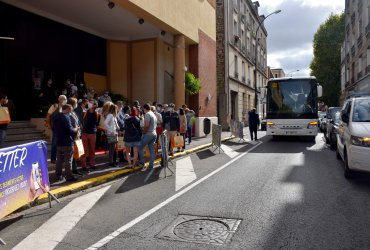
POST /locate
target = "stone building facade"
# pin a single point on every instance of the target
(355, 70)
(237, 22)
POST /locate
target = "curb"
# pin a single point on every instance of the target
(95, 181)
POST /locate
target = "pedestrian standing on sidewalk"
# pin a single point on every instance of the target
(90, 127)
(53, 111)
(81, 109)
(3, 127)
(171, 123)
(111, 130)
(65, 138)
(253, 122)
(149, 136)
(183, 125)
(164, 110)
(159, 128)
(76, 123)
(132, 135)
(189, 121)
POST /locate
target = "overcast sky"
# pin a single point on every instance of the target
(290, 33)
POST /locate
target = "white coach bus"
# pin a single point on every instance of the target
(292, 106)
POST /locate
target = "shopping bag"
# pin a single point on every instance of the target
(78, 149)
(4, 115)
(147, 152)
(177, 141)
(120, 143)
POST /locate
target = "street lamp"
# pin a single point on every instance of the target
(292, 72)
(255, 56)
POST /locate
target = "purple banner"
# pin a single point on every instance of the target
(23, 175)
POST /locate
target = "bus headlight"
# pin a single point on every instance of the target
(270, 124)
(360, 141)
(312, 125)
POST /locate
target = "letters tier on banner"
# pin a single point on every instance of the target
(23, 175)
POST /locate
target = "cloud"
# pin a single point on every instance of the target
(291, 32)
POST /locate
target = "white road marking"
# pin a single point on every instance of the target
(184, 172)
(120, 230)
(229, 152)
(52, 232)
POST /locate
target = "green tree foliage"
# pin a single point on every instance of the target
(192, 84)
(326, 64)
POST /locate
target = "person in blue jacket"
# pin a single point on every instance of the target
(65, 134)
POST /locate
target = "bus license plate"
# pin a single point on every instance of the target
(291, 132)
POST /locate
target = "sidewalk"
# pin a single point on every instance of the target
(103, 173)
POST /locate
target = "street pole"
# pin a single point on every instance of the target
(255, 56)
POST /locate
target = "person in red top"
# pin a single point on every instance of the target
(89, 129)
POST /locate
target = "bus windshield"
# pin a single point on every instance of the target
(292, 98)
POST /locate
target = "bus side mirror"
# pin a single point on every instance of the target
(263, 92)
(319, 91)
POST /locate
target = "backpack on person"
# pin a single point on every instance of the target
(132, 133)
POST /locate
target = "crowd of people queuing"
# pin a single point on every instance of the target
(100, 123)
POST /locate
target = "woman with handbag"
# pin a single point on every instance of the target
(183, 126)
(111, 128)
(132, 135)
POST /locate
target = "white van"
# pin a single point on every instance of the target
(353, 137)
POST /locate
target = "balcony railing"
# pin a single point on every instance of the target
(236, 74)
(368, 30)
(243, 78)
(353, 50)
(359, 75)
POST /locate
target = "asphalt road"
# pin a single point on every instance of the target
(268, 195)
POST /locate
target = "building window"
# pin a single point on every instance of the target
(243, 39)
(235, 28)
(276, 76)
(368, 61)
(360, 26)
(236, 66)
(243, 71)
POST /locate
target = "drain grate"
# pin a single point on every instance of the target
(197, 229)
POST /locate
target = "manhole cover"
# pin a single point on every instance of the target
(206, 230)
